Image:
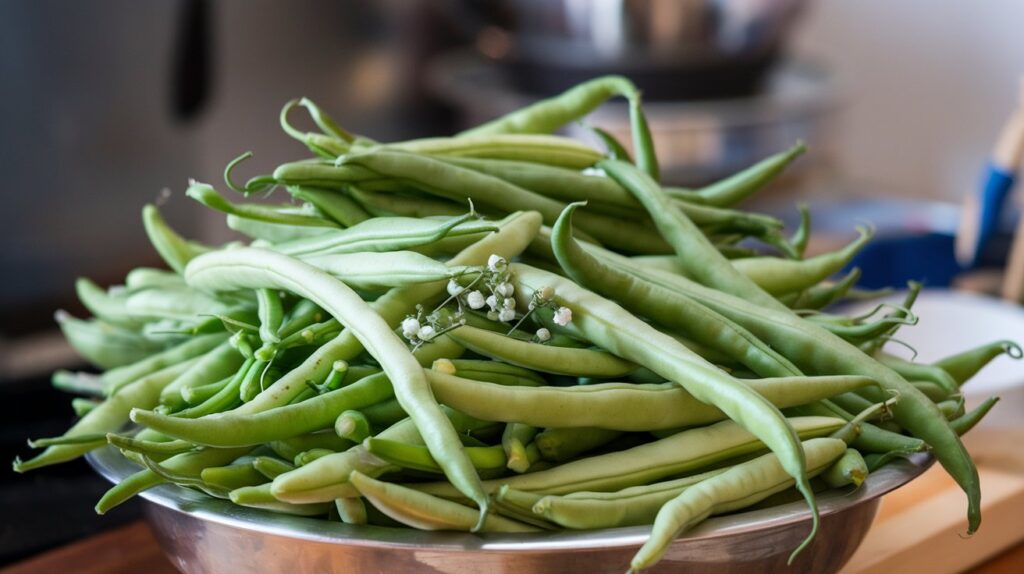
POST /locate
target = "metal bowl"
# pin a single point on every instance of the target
(203, 534)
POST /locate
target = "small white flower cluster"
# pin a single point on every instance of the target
(491, 289)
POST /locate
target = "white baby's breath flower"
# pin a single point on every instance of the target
(426, 333)
(543, 335)
(507, 315)
(475, 300)
(492, 302)
(509, 303)
(496, 263)
(563, 316)
(545, 294)
(410, 326)
(492, 315)
(454, 288)
(505, 289)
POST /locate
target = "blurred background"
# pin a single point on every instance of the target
(111, 104)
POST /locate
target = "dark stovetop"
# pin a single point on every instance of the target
(50, 506)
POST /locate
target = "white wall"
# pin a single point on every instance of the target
(924, 85)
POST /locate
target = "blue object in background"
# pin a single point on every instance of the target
(892, 261)
(995, 188)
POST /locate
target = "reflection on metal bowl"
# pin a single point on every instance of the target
(205, 535)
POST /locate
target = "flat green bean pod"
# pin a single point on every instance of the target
(619, 406)
(384, 234)
(740, 486)
(536, 148)
(427, 512)
(684, 452)
(387, 269)
(544, 358)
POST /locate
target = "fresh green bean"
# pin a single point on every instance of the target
(488, 458)
(273, 232)
(567, 443)
(515, 441)
(741, 486)
(427, 512)
(233, 476)
(388, 269)
(537, 148)
(684, 452)
(619, 406)
(544, 358)
(82, 406)
(205, 194)
(104, 345)
(963, 366)
(261, 497)
(920, 372)
(337, 206)
(271, 467)
(850, 468)
(964, 423)
(109, 416)
(175, 250)
(820, 296)
(738, 187)
(351, 510)
(352, 425)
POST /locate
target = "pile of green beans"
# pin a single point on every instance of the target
(505, 330)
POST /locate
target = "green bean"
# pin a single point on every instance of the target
(676, 455)
(199, 394)
(741, 486)
(334, 141)
(290, 448)
(116, 379)
(149, 277)
(253, 382)
(619, 406)
(736, 188)
(78, 383)
(383, 204)
(548, 115)
(931, 390)
(802, 235)
(426, 512)
(851, 402)
(871, 438)
(326, 478)
(385, 413)
(308, 456)
(233, 476)
(191, 463)
(104, 345)
(384, 234)
(108, 417)
(83, 406)
(963, 366)
(107, 306)
(920, 372)
(261, 497)
(175, 250)
(515, 232)
(679, 313)
(545, 149)
(782, 276)
(820, 296)
(337, 206)
(515, 441)
(273, 232)
(696, 254)
(446, 180)
(271, 314)
(271, 467)
(605, 195)
(213, 367)
(239, 429)
(352, 425)
(849, 469)
(609, 326)
(951, 408)
(484, 458)
(224, 399)
(205, 194)
(964, 423)
(489, 371)
(544, 358)
(351, 510)
(567, 443)
(148, 447)
(634, 506)
(252, 268)
(817, 351)
(613, 148)
(389, 269)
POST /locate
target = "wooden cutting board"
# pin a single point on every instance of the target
(920, 528)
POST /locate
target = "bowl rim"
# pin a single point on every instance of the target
(110, 464)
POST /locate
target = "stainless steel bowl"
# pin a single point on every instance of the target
(202, 534)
